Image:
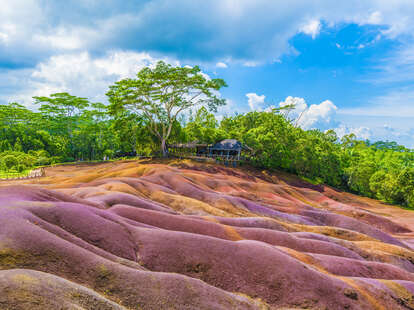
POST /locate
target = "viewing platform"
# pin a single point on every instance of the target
(229, 151)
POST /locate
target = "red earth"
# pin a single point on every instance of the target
(185, 235)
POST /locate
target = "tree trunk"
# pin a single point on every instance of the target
(164, 149)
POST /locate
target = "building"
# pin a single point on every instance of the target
(229, 150)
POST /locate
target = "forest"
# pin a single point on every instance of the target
(67, 128)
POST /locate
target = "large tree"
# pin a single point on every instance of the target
(161, 93)
(63, 111)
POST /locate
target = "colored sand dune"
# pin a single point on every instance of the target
(181, 235)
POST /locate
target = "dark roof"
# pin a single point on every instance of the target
(228, 144)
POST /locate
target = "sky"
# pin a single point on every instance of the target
(347, 65)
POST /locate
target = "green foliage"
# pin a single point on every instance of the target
(203, 127)
(16, 161)
(20, 168)
(109, 153)
(18, 145)
(9, 161)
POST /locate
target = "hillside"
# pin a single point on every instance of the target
(184, 235)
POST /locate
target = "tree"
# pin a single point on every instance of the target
(18, 145)
(161, 93)
(64, 110)
(202, 127)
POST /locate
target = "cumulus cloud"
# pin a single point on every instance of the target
(256, 102)
(80, 74)
(299, 106)
(312, 28)
(320, 116)
(363, 133)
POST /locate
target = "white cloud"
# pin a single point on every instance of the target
(81, 75)
(4, 37)
(375, 18)
(312, 28)
(299, 106)
(221, 65)
(256, 101)
(249, 32)
(61, 38)
(230, 109)
(320, 116)
(363, 133)
(251, 63)
(19, 19)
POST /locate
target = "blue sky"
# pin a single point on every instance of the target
(349, 66)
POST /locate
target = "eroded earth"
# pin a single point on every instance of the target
(184, 235)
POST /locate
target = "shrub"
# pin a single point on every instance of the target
(26, 160)
(20, 168)
(56, 159)
(10, 161)
(43, 161)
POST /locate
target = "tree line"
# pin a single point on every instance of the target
(146, 113)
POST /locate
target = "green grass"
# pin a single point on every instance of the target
(13, 174)
(316, 181)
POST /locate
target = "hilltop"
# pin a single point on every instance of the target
(185, 235)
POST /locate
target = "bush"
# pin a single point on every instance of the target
(9, 161)
(26, 160)
(20, 168)
(56, 159)
(43, 161)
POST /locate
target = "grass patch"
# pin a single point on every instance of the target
(13, 174)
